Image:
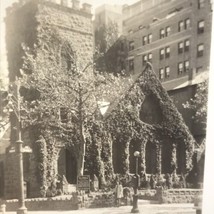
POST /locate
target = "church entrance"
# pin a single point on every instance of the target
(67, 165)
(70, 167)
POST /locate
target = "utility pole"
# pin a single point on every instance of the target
(19, 149)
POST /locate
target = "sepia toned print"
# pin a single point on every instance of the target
(104, 105)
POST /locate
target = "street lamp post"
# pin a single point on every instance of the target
(19, 147)
(136, 185)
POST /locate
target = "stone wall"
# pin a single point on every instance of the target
(178, 195)
(170, 195)
(73, 202)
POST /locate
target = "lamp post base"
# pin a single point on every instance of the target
(22, 210)
(135, 204)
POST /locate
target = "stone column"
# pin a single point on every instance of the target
(126, 156)
(174, 157)
(143, 156)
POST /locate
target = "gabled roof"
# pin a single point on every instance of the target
(172, 124)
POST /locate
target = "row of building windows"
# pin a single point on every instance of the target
(164, 73)
(147, 39)
(201, 4)
(146, 58)
(165, 53)
(165, 32)
(183, 67)
(183, 46)
(184, 25)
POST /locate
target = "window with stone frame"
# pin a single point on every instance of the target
(167, 72)
(161, 73)
(167, 52)
(162, 53)
(186, 45)
(68, 58)
(180, 47)
(201, 27)
(180, 26)
(144, 59)
(201, 4)
(149, 38)
(144, 41)
(168, 29)
(200, 50)
(180, 68)
(150, 57)
(131, 45)
(131, 65)
(186, 66)
(162, 33)
(187, 23)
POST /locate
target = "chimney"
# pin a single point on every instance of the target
(86, 7)
(76, 4)
(64, 3)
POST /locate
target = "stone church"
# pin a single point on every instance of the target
(143, 119)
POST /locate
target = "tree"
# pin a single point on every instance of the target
(199, 103)
(106, 36)
(62, 95)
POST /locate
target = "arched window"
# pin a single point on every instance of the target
(151, 112)
(68, 58)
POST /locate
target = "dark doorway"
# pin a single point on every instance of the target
(117, 156)
(181, 158)
(151, 158)
(166, 157)
(71, 167)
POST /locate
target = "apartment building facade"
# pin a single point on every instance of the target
(174, 35)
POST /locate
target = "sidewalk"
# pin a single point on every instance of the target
(144, 209)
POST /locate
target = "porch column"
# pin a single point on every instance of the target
(159, 160)
(143, 156)
(126, 156)
(174, 157)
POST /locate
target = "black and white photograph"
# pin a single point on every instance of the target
(106, 107)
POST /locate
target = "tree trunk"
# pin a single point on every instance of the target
(81, 157)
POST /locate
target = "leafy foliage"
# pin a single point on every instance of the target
(199, 102)
(63, 94)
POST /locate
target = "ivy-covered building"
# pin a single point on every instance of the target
(144, 118)
(26, 23)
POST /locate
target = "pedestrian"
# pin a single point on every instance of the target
(152, 182)
(118, 193)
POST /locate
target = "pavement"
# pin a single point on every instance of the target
(143, 208)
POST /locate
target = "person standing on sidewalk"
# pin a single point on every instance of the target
(118, 193)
